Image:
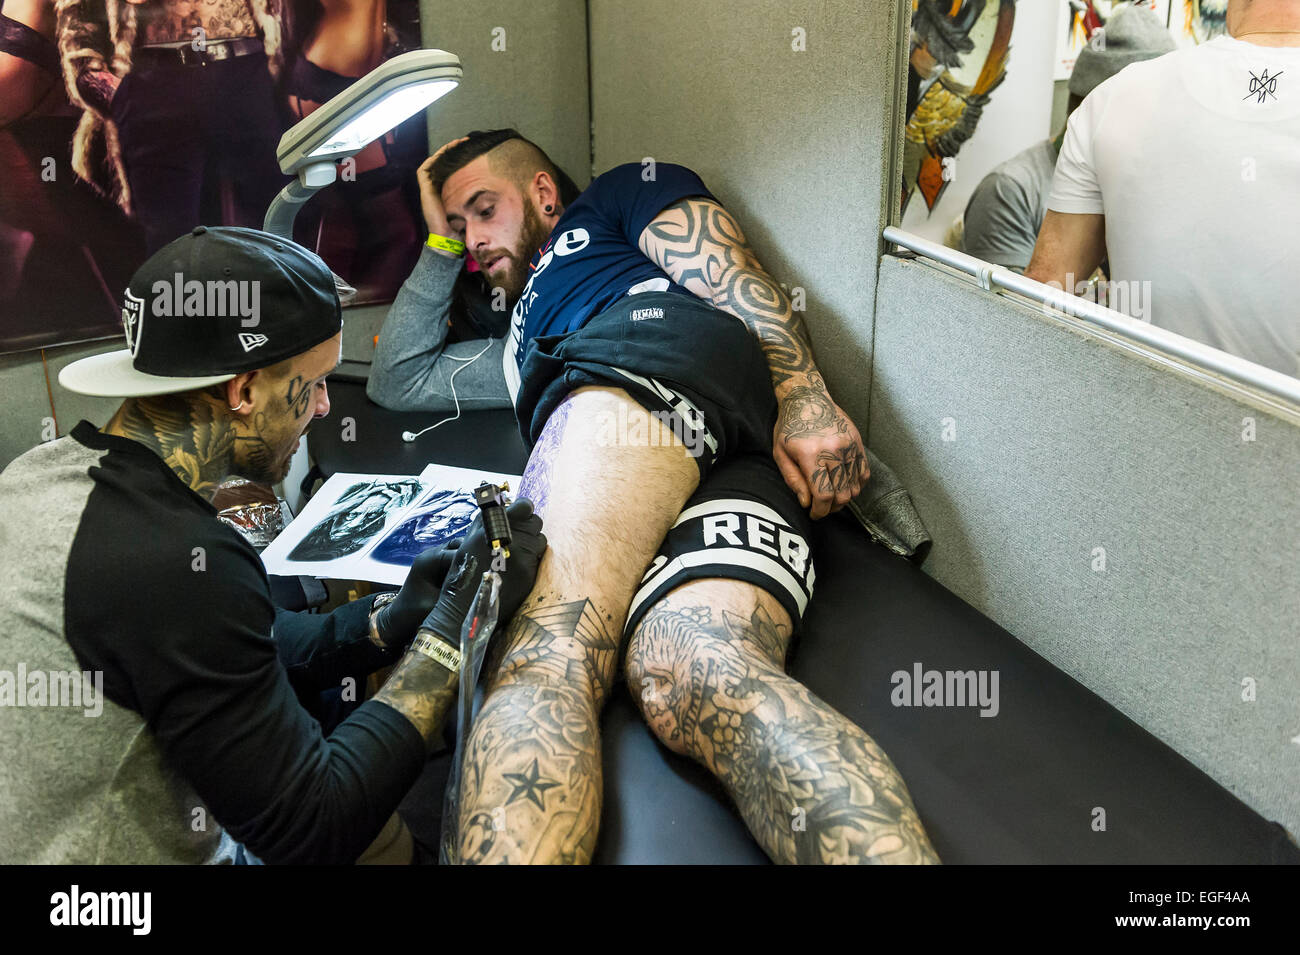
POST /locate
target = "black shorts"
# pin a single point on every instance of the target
(702, 372)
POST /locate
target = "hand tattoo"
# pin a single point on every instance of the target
(805, 411)
(839, 470)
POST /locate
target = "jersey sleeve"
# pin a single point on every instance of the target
(1075, 186)
(631, 195)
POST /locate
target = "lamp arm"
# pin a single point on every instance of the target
(284, 207)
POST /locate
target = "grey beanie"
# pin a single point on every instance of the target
(1132, 34)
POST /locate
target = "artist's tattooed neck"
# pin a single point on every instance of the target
(191, 436)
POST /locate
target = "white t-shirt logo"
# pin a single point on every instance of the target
(1263, 86)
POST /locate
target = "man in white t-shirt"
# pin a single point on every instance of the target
(1185, 171)
(1007, 208)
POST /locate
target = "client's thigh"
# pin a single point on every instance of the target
(606, 505)
(531, 789)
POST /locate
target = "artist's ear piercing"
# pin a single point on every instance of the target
(238, 406)
(548, 209)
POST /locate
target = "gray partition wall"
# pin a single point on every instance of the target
(525, 64)
(785, 109)
(1134, 525)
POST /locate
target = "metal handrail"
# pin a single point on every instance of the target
(1202, 357)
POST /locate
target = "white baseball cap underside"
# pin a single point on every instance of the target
(112, 375)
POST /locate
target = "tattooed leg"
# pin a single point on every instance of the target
(706, 667)
(531, 783)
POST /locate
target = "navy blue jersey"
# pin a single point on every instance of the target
(591, 258)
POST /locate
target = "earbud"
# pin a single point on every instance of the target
(409, 436)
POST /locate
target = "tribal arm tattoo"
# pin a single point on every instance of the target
(702, 248)
(811, 786)
(531, 783)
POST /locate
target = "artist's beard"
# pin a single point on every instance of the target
(534, 233)
(266, 458)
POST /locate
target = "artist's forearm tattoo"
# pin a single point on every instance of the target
(422, 690)
(702, 247)
(531, 787)
(811, 786)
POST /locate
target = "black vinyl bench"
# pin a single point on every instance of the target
(1023, 786)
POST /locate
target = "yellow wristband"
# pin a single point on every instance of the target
(454, 246)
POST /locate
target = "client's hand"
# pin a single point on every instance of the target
(475, 557)
(818, 448)
(435, 217)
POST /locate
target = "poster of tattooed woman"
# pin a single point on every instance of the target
(125, 123)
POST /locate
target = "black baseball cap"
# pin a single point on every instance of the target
(210, 305)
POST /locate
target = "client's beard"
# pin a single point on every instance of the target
(531, 238)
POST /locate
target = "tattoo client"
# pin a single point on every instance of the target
(682, 440)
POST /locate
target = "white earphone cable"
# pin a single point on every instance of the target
(409, 436)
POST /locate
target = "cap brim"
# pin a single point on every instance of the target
(111, 375)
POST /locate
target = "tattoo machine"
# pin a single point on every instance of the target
(474, 636)
(492, 501)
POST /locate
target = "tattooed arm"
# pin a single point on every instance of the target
(815, 444)
(422, 690)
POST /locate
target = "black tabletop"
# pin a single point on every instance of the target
(360, 436)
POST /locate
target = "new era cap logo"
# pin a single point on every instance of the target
(251, 341)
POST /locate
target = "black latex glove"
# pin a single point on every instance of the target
(397, 621)
(474, 558)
